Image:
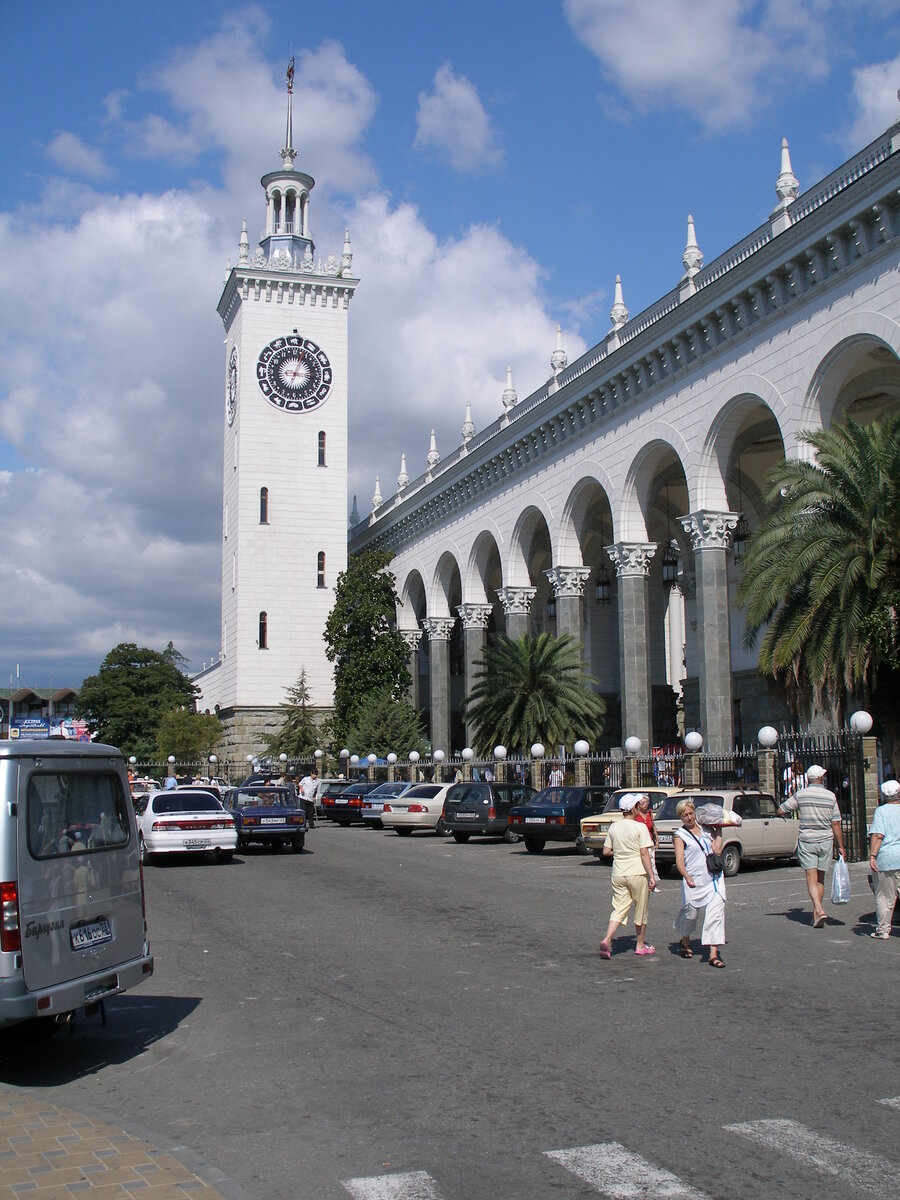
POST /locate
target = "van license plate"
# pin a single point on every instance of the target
(94, 934)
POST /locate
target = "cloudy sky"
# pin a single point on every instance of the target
(497, 163)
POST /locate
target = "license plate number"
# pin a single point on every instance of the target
(271, 821)
(535, 820)
(196, 843)
(466, 816)
(94, 934)
(340, 801)
(665, 839)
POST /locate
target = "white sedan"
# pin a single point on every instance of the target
(186, 821)
(419, 808)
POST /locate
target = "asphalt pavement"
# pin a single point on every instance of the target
(412, 1019)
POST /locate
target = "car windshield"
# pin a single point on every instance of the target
(657, 799)
(186, 802)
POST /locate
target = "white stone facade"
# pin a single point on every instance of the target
(660, 435)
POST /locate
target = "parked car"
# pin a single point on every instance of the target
(555, 814)
(595, 827)
(483, 807)
(374, 802)
(763, 833)
(271, 815)
(331, 787)
(422, 807)
(345, 806)
(186, 821)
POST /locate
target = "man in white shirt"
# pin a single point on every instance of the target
(308, 786)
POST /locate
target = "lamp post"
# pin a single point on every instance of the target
(767, 738)
(632, 749)
(282, 758)
(537, 763)
(582, 749)
(354, 762)
(171, 761)
(467, 756)
(318, 755)
(500, 763)
(437, 757)
(693, 773)
(212, 760)
(343, 756)
(861, 723)
(413, 768)
(392, 764)
(371, 760)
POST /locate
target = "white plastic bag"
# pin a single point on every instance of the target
(840, 882)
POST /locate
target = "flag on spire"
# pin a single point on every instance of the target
(290, 76)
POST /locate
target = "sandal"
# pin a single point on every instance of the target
(685, 952)
(716, 962)
(819, 922)
(605, 949)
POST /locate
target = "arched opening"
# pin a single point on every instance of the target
(263, 637)
(320, 569)
(321, 459)
(264, 506)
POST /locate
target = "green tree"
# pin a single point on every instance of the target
(189, 735)
(125, 701)
(533, 689)
(822, 573)
(299, 735)
(361, 639)
(382, 724)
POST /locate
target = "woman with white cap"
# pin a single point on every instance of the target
(884, 857)
(700, 890)
(820, 828)
(629, 842)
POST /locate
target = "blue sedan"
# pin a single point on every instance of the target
(554, 815)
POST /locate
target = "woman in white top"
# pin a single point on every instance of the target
(700, 891)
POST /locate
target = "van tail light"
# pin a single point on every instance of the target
(492, 813)
(10, 938)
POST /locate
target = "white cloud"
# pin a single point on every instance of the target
(74, 156)
(712, 58)
(452, 120)
(875, 95)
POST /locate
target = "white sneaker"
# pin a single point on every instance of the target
(882, 937)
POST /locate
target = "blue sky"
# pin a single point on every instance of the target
(497, 163)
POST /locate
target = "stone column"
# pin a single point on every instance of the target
(474, 619)
(438, 630)
(412, 637)
(516, 603)
(710, 534)
(632, 563)
(567, 584)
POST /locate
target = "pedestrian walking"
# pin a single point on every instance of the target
(308, 788)
(644, 814)
(820, 830)
(629, 843)
(884, 857)
(701, 890)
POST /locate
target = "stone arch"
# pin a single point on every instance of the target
(446, 583)
(568, 537)
(412, 597)
(632, 520)
(715, 460)
(487, 543)
(853, 345)
(516, 569)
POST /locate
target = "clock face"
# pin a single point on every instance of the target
(294, 373)
(231, 386)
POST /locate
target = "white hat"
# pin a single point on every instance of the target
(890, 788)
(816, 772)
(629, 801)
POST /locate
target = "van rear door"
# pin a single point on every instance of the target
(80, 901)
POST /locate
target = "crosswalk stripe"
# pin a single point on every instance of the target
(891, 1102)
(413, 1185)
(621, 1175)
(864, 1170)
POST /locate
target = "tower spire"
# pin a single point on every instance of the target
(288, 154)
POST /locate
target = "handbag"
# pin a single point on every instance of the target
(715, 863)
(840, 882)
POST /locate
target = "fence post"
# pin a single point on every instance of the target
(871, 757)
(632, 771)
(693, 772)
(581, 771)
(766, 760)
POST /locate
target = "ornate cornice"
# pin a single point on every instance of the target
(568, 581)
(438, 629)
(475, 616)
(631, 558)
(516, 601)
(709, 530)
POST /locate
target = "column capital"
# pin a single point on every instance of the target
(709, 530)
(516, 599)
(412, 637)
(568, 581)
(475, 616)
(631, 558)
(438, 629)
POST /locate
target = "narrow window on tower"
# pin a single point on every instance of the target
(320, 570)
(225, 521)
(263, 506)
(322, 448)
(263, 631)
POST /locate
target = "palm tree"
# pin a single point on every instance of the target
(822, 574)
(533, 689)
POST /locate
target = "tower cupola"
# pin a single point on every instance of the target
(287, 240)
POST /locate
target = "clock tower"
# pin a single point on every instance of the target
(284, 527)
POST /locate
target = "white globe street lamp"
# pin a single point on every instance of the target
(632, 745)
(499, 753)
(861, 722)
(354, 760)
(767, 737)
(581, 748)
(468, 754)
(693, 741)
(282, 758)
(537, 750)
(372, 760)
(414, 756)
(317, 755)
(392, 758)
(170, 759)
(438, 756)
(132, 759)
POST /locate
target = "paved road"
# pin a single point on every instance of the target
(417, 1020)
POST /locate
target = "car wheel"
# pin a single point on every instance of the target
(224, 856)
(441, 829)
(460, 837)
(298, 842)
(580, 846)
(732, 856)
(510, 835)
(403, 830)
(146, 856)
(534, 845)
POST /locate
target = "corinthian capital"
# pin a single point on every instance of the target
(412, 637)
(516, 600)
(438, 629)
(631, 558)
(475, 616)
(568, 581)
(709, 530)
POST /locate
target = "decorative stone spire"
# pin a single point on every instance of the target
(559, 360)
(468, 425)
(509, 397)
(787, 185)
(227, 270)
(618, 314)
(377, 498)
(288, 154)
(693, 255)
(354, 513)
(243, 245)
(432, 458)
(347, 256)
(403, 477)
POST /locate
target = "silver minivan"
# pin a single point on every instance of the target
(73, 928)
